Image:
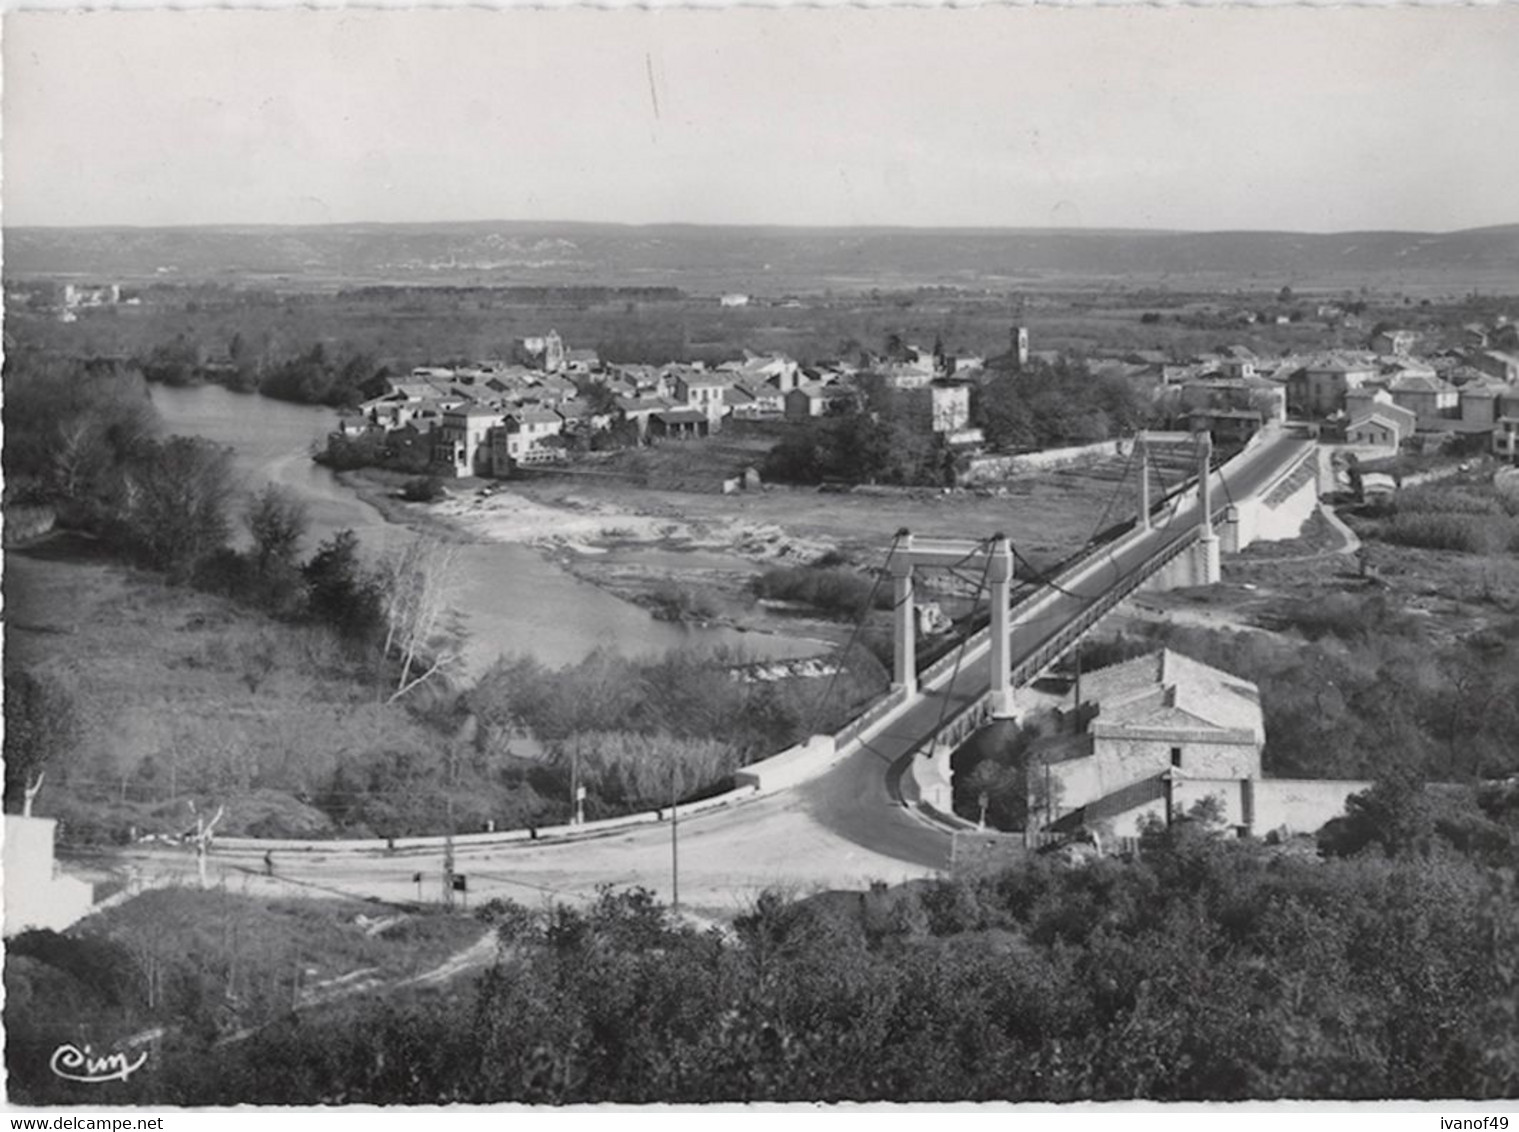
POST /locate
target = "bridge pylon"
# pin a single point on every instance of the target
(994, 558)
(1203, 563)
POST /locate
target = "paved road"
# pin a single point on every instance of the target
(842, 830)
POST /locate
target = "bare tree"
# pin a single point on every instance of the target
(41, 724)
(421, 628)
(76, 456)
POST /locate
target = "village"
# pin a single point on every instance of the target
(551, 402)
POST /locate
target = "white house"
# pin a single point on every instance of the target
(706, 393)
(523, 438)
(461, 442)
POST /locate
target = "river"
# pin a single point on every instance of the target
(514, 600)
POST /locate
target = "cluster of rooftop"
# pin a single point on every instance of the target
(490, 418)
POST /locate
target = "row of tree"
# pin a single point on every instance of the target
(883, 435)
(314, 377)
(1205, 969)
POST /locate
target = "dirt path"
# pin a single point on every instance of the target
(477, 955)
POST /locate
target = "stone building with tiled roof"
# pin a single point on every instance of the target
(1150, 738)
(1139, 726)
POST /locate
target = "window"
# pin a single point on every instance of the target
(1176, 757)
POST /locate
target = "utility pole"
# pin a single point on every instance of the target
(674, 838)
(577, 791)
(448, 858)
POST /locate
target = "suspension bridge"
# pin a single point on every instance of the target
(1175, 539)
(859, 805)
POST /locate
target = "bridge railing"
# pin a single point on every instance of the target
(857, 726)
(1061, 641)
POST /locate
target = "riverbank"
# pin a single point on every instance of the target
(638, 548)
(694, 555)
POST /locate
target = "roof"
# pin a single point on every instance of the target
(1420, 383)
(1339, 365)
(1227, 414)
(681, 416)
(530, 415)
(642, 404)
(1166, 690)
(475, 411)
(1377, 418)
(1397, 414)
(704, 380)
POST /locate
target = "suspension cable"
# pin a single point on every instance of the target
(1123, 481)
(843, 656)
(949, 689)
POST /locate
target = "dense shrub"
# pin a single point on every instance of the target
(674, 601)
(423, 489)
(625, 715)
(835, 590)
(1464, 532)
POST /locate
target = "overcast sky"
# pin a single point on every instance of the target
(1309, 119)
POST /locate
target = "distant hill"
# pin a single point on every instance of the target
(763, 260)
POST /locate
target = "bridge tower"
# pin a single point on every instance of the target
(1207, 570)
(994, 558)
(1203, 562)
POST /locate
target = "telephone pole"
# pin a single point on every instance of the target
(674, 838)
(448, 858)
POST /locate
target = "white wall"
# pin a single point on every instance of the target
(1186, 793)
(989, 469)
(1123, 762)
(1286, 519)
(36, 894)
(1301, 805)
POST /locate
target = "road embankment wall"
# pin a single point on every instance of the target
(993, 469)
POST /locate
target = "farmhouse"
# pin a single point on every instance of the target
(1381, 426)
(1432, 401)
(705, 393)
(461, 442)
(524, 437)
(1152, 737)
(1319, 388)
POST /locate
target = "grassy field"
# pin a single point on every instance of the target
(181, 694)
(404, 327)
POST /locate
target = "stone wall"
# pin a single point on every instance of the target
(1300, 805)
(992, 469)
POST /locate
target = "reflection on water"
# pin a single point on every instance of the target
(513, 599)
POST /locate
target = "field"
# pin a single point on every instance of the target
(181, 694)
(401, 327)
